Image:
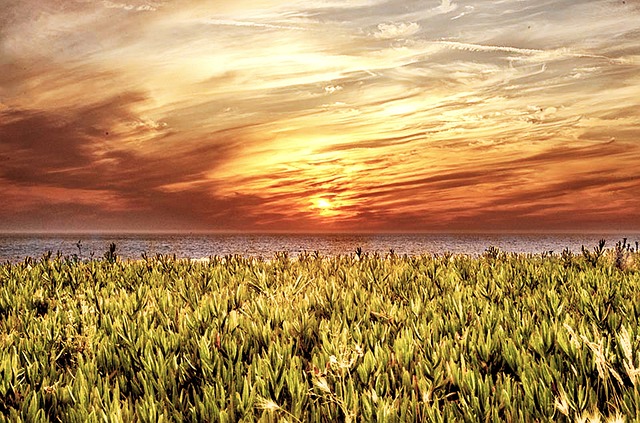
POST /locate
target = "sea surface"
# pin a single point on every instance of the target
(15, 247)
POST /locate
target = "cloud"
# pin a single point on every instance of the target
(468, 9)
(396, 30)
(226, 22)
(91, 147)
(331, 89)
(129, 7)
(447, 6)
(42, 146)
(72, 170)
(489, 48)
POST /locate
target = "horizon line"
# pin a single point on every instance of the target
(328, 232)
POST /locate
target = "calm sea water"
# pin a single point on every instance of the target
(16, 247)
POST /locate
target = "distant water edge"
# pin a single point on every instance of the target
(15, 247)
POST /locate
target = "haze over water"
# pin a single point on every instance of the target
(15, 247)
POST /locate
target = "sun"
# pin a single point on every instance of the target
(323, 204)
(324, 207)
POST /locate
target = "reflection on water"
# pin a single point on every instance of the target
(17, 247)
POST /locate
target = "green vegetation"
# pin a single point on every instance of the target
(502, 337)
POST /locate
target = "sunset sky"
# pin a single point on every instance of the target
(321, 115)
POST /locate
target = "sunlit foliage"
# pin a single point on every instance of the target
(362, 337)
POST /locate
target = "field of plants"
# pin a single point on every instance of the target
(359, 337)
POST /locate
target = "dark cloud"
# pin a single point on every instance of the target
(42, 146)
(86, 150)
(589, 151)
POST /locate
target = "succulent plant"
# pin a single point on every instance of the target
(359, 337)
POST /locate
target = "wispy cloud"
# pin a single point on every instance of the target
(396, 30)
(132, 7)
(447, 6)
(225, 22)
(467, 10)
(539, 54)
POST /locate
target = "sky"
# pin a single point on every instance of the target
(321, 115)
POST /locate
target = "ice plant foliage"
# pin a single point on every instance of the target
(361, 337)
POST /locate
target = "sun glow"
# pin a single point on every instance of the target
(324, 207)
(323, 204)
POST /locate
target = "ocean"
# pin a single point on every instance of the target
(15, 247)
